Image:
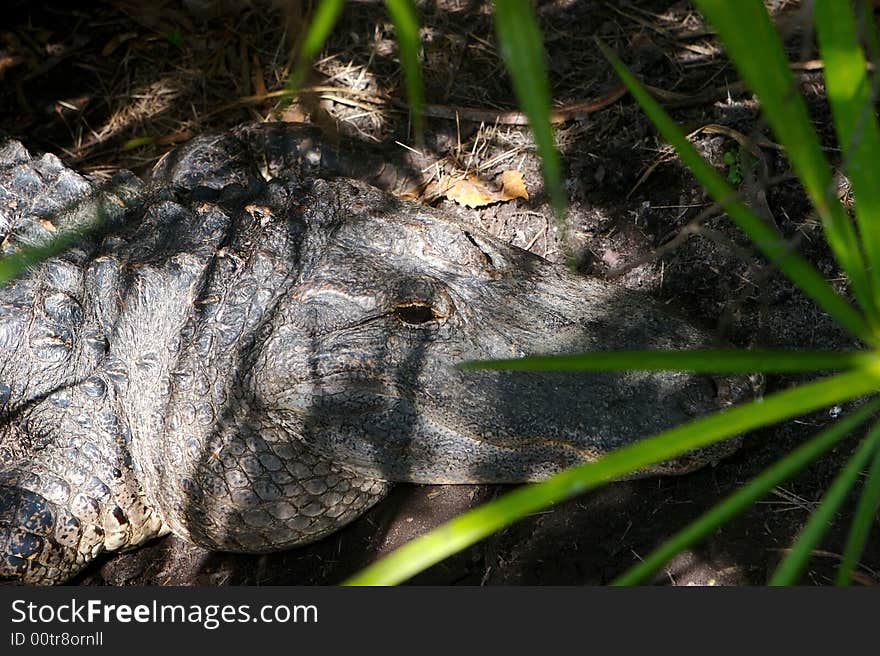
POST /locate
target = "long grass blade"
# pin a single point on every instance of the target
(863, 522)
(748, 494)
(76, 219)
(852, 104)
(474, 525)
(707, 361)
(791, 567)
(801, 272)
(522, 49)
(14, 265)
(755, 47)
(406, 28)
(323, 21)
(868, 30)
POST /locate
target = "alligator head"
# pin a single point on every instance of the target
(363, 354)
(279, 348)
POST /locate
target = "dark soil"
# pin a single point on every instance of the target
(85, 80)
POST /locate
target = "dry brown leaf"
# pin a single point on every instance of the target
(513, 185)
(470, 192)
(473, 192)
(295, 113)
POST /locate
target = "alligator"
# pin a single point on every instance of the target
(251, 348)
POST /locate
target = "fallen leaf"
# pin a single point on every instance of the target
(513, 185)
(470, 192)
(294, 113)
(473, 192)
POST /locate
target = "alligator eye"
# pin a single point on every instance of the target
(416, 314)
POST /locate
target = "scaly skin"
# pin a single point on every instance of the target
(252, 351)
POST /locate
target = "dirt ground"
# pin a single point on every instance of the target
(109, 85)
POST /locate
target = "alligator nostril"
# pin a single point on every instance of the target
(415, 314)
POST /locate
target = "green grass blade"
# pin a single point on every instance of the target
(862, 524)
(753, 44)
(747, 495)
(14, 265)
(77, 219)
(323, 21)
(801, 272)
(849, 94)
(707, 361)
(406, 28)
(868, 30)
(522, 49)
(476, 524)
(790, 569)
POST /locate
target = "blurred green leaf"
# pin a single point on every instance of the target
(868, 29)
(748, 494)
(755, 47)
(707, 361)
(522, 49)
(137, 142)
(79, 218)
(323, 21)
(406, 28)
(852, 105)
(799, 270)
(14, 265)
(863, 522)
(790, 569)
